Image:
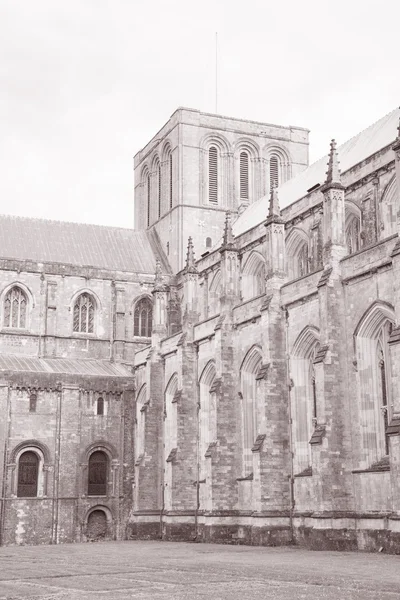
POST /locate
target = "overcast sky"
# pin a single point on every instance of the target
(84, 84)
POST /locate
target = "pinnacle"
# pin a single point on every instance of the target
(333, 172)
(158, 279)
(190, 259)
(228, 239)
(273, 210)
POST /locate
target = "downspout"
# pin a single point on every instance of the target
(4, 482)
(289, 387)
(56, 477)
(196, 512)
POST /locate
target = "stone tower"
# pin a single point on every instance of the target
(200, 165)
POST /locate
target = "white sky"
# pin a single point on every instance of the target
(84, 84)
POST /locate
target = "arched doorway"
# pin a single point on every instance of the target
(97, 526)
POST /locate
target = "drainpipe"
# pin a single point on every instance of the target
(291, 475)
(196, 512)
(56, 477)
(4, 483)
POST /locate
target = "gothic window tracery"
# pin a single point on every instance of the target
(143, 318)
(15, 308)
(83, 314)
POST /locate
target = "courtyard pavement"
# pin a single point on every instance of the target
(166, 570)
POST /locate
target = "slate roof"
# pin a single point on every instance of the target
(77, 244)
(63, 366)
(376, 137)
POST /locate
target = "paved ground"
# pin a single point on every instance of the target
(163, 570)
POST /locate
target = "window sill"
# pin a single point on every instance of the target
(15, 331)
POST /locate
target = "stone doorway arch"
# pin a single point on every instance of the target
(98, 525)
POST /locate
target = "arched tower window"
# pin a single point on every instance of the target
(28, 473)
(170, 180)
(143, 318)
(213, 175)
(273, 171)
(244, 175)
(15, 308)
(84, 307)
(159, 183)
(148, 194)
(97, 474)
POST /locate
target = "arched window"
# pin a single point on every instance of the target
(15, 308)
(352, 228)
(159, 188)
(97, 474)
(170, 180)
(213, 175)
(148, 194)
(100, 406)
(32, 402)
(374, 376)
(304, 395)
(248, 384)
(253, 276)
(83, 321)
(388, 206)
(28, 473)
(170, 436)
(273, 171)
(214, 294)
(208, 242)
(297, 244)
(208, 429)
(244, 175)
(143, 318)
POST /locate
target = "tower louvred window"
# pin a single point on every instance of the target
(273, 171)
(244, 175)
(213, 175)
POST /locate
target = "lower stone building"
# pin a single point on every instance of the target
(251, 396)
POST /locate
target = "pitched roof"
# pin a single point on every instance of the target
(77, 244)
(63, 366)
(376, 137)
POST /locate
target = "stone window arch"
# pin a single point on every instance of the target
(388, 206)
(207, 429)
(84, 313)
(374, 380)
(214, 170)
(143, 317)
(303, 395)
(16, 308)
(297, 252)
(279, 165)
(98, 467)
(249, 409)
(214, 294)
(253, 276)
(352, 228)
(98, 523)
(30, 461)
(170, 436)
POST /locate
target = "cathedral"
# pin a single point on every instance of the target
(229, 371)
